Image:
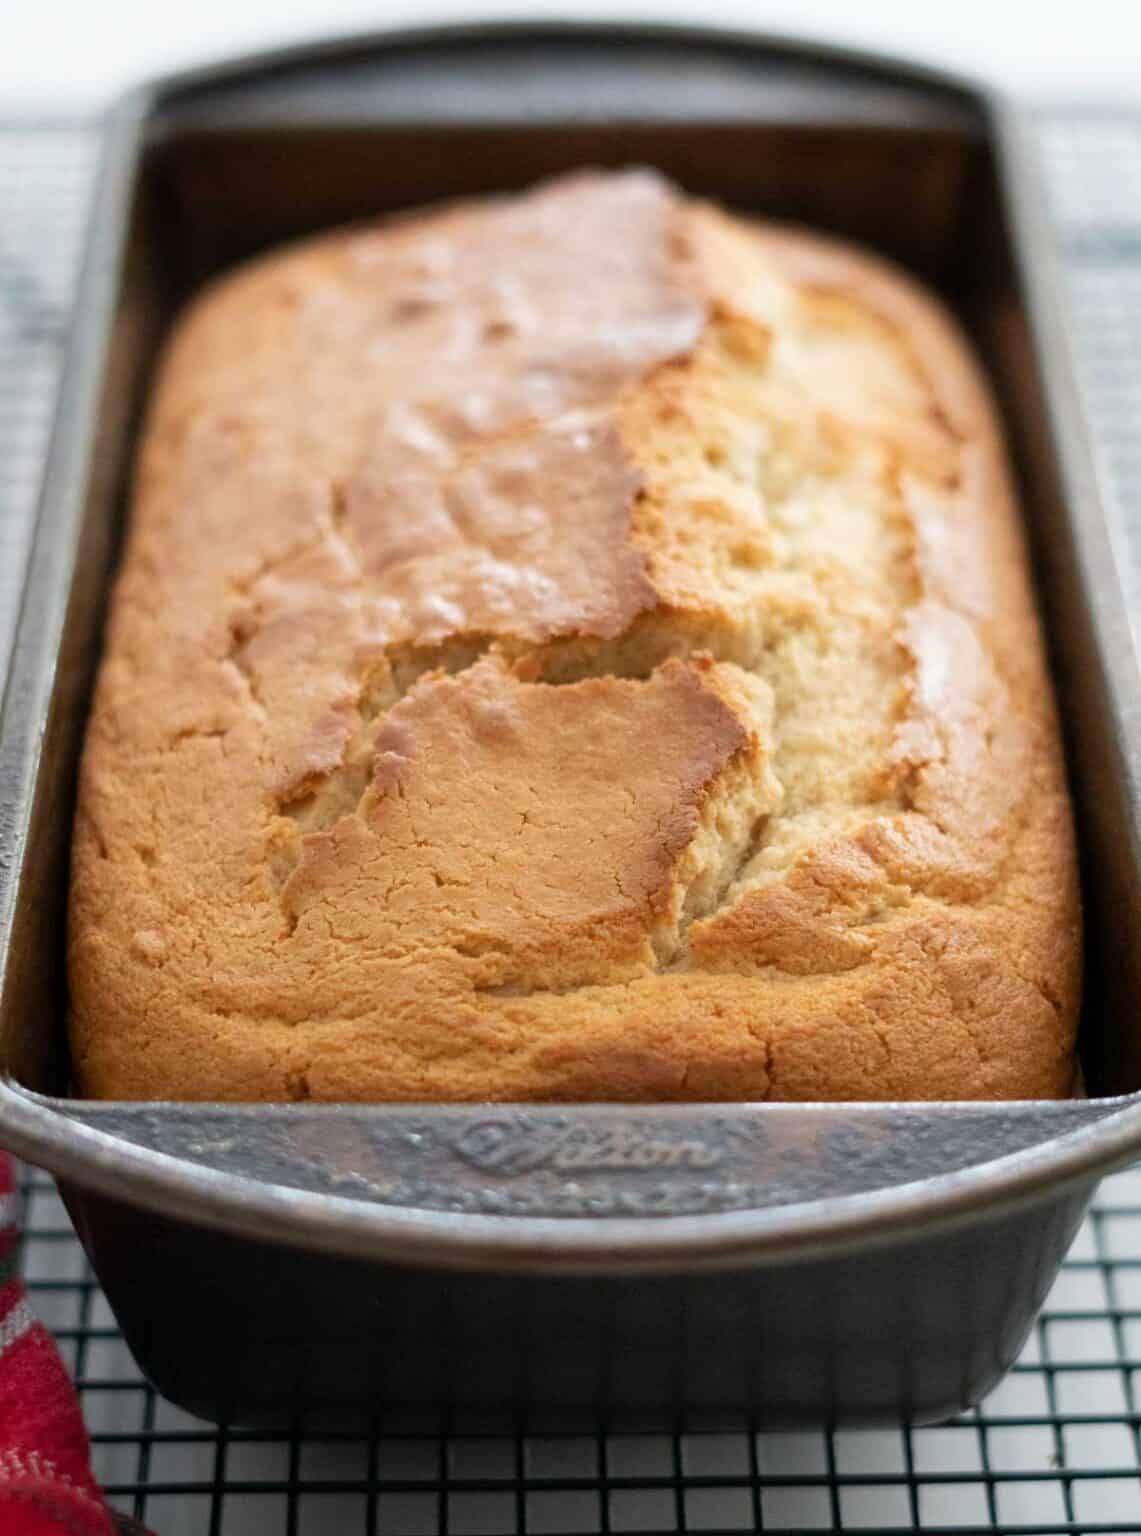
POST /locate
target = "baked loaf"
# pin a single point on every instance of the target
(573, 646)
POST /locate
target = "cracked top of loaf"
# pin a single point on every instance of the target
(572, 646)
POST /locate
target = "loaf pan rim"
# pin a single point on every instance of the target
(159, 92)
(278, 1214)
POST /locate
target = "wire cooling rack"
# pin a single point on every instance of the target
(1056, 1448)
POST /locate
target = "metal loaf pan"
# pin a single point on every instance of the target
(797, 1261)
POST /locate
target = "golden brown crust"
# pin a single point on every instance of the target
(577, 647)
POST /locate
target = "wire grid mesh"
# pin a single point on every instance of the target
(1056, 1448)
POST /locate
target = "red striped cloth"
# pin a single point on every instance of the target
(46, 1486)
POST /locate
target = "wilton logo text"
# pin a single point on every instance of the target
(509, 1147)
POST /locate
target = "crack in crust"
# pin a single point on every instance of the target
(714, 391)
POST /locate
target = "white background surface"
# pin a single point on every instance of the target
(61, 52)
